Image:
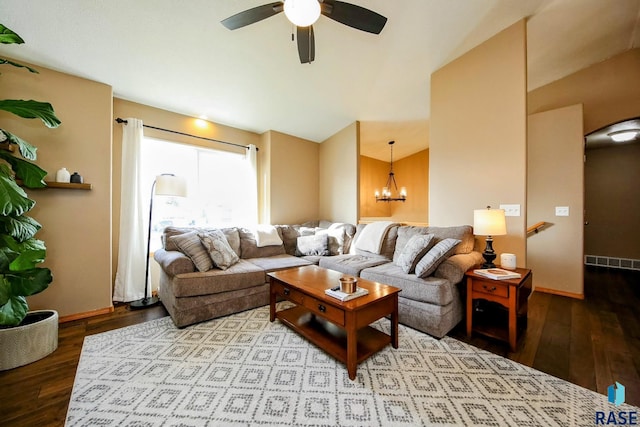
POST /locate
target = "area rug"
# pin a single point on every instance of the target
(243, 370)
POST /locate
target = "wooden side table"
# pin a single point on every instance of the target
(512, 294)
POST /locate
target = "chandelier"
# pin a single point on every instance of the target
(386, 195)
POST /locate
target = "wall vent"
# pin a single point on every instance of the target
(612, 262)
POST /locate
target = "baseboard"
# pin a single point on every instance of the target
(79, 316)
(561, 293)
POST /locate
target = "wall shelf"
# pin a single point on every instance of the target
(68, 185)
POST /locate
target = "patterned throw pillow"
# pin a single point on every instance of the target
(441, 251)
(221, 253)
(190, 245)
(416, 247)
(313, 245)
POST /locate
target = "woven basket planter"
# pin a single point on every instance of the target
(34, 339)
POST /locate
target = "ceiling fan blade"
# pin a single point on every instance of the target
(253, 15)
(353, 16)
(306, 44)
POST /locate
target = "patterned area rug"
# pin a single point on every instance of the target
(243, 370)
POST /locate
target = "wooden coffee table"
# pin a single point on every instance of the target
(339, 328)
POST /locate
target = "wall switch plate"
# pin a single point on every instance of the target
(562, 210)
(511, 210)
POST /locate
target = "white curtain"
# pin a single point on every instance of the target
(130, 280)
(252, 158)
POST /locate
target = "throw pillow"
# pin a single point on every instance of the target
(190, 245)
(336, 239)
(441, 251)
(416, 247)
(221, 253)
(313, 245)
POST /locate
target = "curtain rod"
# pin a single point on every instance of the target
(119, 120)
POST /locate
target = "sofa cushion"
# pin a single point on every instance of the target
(432, 259)
(413, 251)
(218, 248)
(388, 243)
(405, 233)
(173, 262)
(289, 235)
(432, 290)
(351, 264)
(267, 235)
(464, 233)
(190, 245)
(230, 233)
(278, 262)
(240, 275)
(335, 239)
(313, 245)
(250, 249)
(454, 267)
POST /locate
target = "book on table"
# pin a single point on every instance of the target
(343, 296)
(497, 273)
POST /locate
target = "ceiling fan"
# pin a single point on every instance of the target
(303, 13)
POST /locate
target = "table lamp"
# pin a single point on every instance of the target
(489, 222)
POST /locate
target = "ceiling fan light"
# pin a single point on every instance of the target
(623, 135)
(302, 13)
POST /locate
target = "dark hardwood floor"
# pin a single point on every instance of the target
(593, 343)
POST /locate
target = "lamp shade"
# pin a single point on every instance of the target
(302, 13)
(170, 185)
(489, 222)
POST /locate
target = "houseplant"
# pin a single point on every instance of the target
(20, 252)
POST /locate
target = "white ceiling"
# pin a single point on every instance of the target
(177, 56)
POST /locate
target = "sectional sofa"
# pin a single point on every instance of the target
(427, 263)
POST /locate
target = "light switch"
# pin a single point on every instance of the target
(511, 210)
(562, 210)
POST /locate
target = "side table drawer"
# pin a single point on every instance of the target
(287, 293)
(324, 310)
(491, 288)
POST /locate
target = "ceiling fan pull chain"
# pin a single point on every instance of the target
(292, 28)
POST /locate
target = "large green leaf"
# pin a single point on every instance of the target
(29, 282)
(7, 255)
(9, 37)
(13, 199)
(27, 150)
(32, 175)
(31, 110)
(17, 64)
(27, 260)
(20, 228)
(5, 290)
(13, 311)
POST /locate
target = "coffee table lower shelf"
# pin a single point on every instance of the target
(332, 338)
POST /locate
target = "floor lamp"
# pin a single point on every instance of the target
(489, 222)
(164, 185)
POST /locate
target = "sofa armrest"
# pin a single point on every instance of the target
(454, 267)
(174, 262)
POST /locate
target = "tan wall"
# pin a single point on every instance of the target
(555, 178)
(76, 224)
(477, 145)
(373, 175)
(608, 91)
(294, 185)
(609, 94)
(411, 172)
(339, 157)
(612, 201)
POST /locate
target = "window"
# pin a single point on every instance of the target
(219, 187)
